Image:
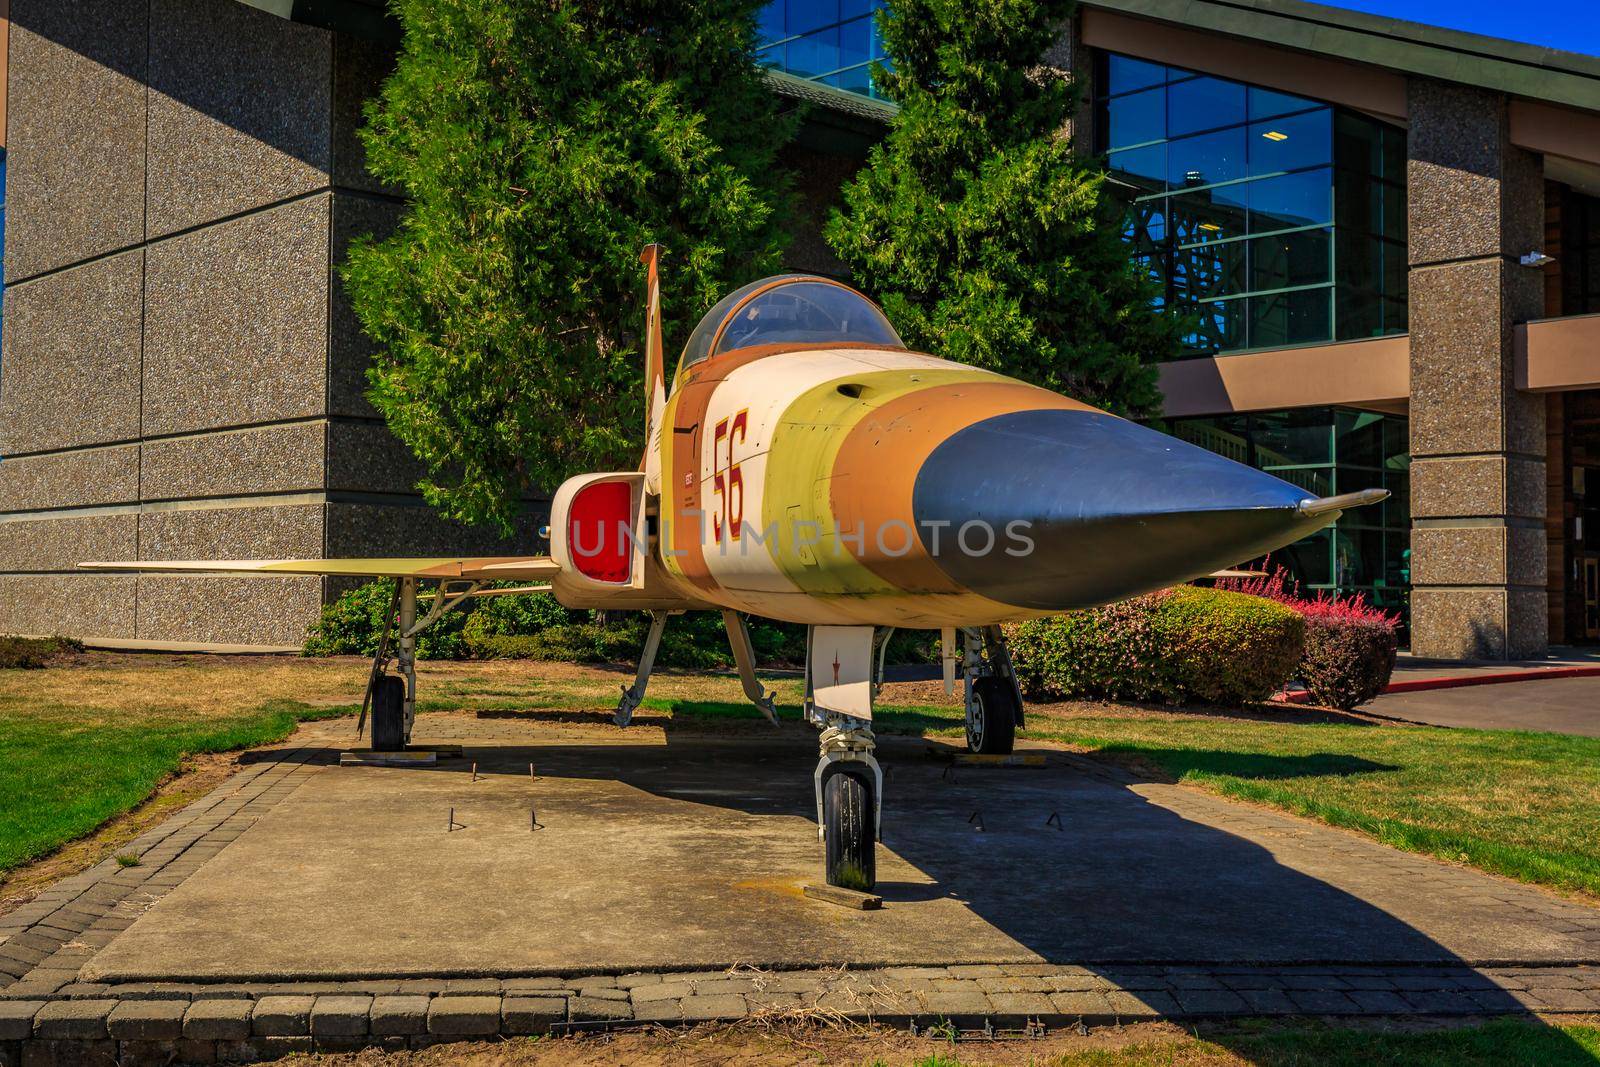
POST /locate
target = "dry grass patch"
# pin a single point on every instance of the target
(1457, 1043)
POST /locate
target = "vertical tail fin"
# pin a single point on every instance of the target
(655, 382)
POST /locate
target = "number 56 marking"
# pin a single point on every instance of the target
(728, 482)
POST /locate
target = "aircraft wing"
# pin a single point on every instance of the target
(478, 568)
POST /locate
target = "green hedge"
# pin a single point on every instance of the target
(1183, 645)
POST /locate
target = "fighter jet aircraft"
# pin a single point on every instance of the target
(807, 466)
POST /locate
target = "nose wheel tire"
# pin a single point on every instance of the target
(992, 717)
(388, 714)
(849, 841)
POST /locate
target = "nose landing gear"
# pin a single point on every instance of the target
(849, 786)
(840, 685)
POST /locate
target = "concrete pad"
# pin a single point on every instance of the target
(691, 853)
(1556, 705)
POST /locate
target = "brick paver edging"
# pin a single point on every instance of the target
(182, 1022)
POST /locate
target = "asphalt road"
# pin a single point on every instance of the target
(1558, 705)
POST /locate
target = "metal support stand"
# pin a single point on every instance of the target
(744, 655)
(634, 696)
(972, 665)
(380, 660)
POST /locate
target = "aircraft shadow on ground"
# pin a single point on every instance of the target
(1124, 882)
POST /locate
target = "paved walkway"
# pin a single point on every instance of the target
(1558, 705)
(1408, 666)
(302, 903)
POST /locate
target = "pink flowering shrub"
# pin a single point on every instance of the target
(1182, 645)
(1350, 645)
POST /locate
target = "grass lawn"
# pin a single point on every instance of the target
(90, 738)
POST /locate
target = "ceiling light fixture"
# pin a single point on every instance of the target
(1275, 135)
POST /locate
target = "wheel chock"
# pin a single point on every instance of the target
(846, 898)
(410, 757)
(366, 757)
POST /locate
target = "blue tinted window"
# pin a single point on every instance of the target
(1264, 103)
(1208, 214)
(815, 54)
(1125, 74)
(1143, 168)
(1211, 270)
(1290, 318)
(1286, 260)
(833, 42)
(1136, 118)
(1206, 159)
(1291, 143)
(769, 23)
(1282, 217)
(1203, 104)
(1303, 199)
(855, 43)
(800, 17)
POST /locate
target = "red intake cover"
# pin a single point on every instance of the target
(597, 531)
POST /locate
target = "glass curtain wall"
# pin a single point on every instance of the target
(1328, 451)
(828, 41)
(1272, 219)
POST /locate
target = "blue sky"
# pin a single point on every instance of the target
(1573, 25)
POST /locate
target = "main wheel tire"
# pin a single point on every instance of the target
(850, 836)
(992, 720)
(389, 714)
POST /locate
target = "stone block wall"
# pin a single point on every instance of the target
(1475, 204)
(182, 376)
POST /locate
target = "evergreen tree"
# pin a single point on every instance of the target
(541, 145)
(988, 239)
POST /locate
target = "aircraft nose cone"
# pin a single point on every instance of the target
(1087, 508)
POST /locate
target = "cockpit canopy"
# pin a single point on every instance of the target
(790, 309)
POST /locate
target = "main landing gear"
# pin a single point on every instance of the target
(994, 703)
(392, 698)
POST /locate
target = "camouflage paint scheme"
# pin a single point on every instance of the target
(795, 455)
